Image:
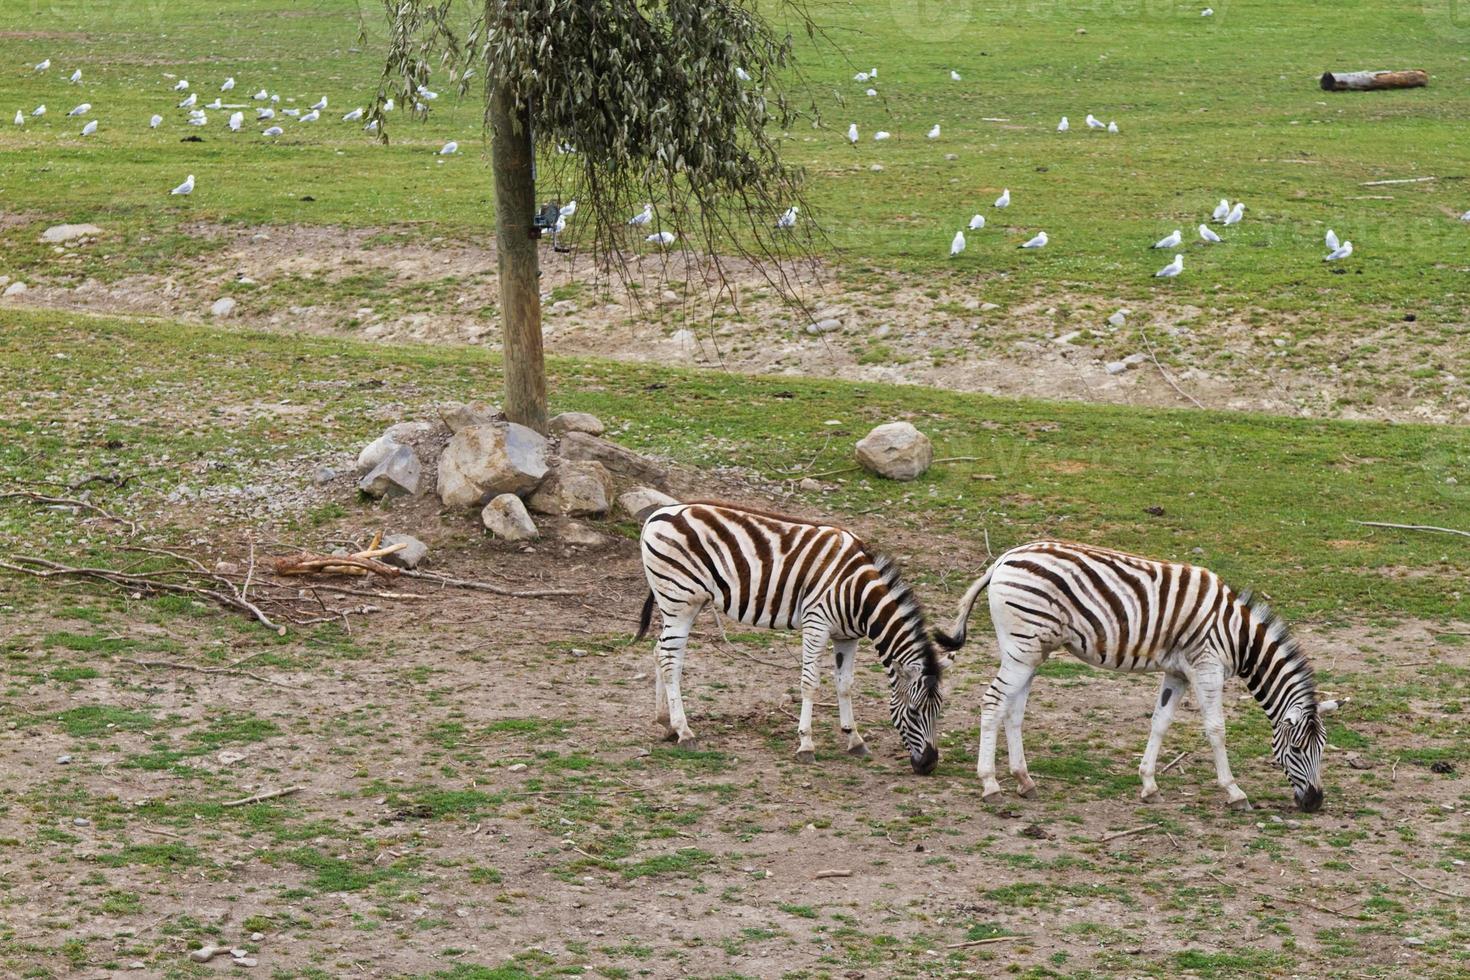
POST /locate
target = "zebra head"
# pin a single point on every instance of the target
(1297, 741)
(914, 703)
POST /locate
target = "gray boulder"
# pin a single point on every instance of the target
(413, 552)
(582, 536)
(483, 461)
(397, 475)
(573, 488)
(636, 503)
(506, 518)
(376, 451)
(624, 462)
(576, 422)
(896, 450)
(462, 415)
(57, 234)
(223, 307)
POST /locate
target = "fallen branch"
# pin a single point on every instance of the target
(983, 942)
(1127, 833)
(1414, 527)
(465, 583)
(262, 797)
(1165, 374)
(209, 670)
(43, 499)
(1177, 759)
(1429, 888)
(1401, 180)
(833, 873)
(361, 563)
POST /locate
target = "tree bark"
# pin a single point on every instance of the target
(513, 165)
(1365, 81)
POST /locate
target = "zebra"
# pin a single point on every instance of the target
(778, 572)
(1120, 611)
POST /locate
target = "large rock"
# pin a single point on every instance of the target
(376, 451)
(15, 289)
(625, 462)
(223, 307)
(412, 553)
(636, 503)
(507, 519)
(574, 488)
(462, 415)
(576, 422)
(57, 234)
(896, 450)
(397, 475)
(483, 461)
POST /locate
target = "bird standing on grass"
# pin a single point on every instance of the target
(1004, 201)
(1208, 236)
(1172, 269)
(662, 238)
(1236, 213)
(1171, 240)
(1063, 126)
(852, 134)
(957, 245)
(977, 222)
(1038, 242)
(788, 220)
(642, 217)
(229, 84)
(1341, 252)
(186, 188)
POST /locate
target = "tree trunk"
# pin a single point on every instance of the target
(512, 163)
(1364, 81)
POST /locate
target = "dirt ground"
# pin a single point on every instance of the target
(395, 286)
(482, 787)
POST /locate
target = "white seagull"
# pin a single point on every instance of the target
(424, 92)
(186, 188)
(1221, 210)
(449, 149)
(852, 134)
(76, 76)
(273, 131)
(20, 118)
(954, 76)
(1331, 240)
(320, 104)
(977, 222)
(312, 116)
(957, 245)
(191, 101)
(642, 217)
(1038, 242)
(229, 84)
(182, 85)
(1063, 126)
(1207, 12)
(1004, 201)
(216, 104)
(90, 128)
(1172, 269)
(1236, 213)
(1341, 252)
(1094, 123)
(39, 111)
(1171, 240)
(788, 220)
(81, 110)
(44, 65)
(861, 76)
(154, 122)
(265, 112)
(1112, 127)
(1208, 236)
(872, 92)
(662, 238)
(372, 127)
(934, 133)
(388, 105)
(354, 115)
(262, 95)
(568, 209)
(199, 120)
(742, 74)
(881, 135)
(237, 119)
(291, 112)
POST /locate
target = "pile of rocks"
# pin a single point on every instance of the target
(472, 458)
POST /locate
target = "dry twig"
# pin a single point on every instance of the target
(983, 942)
(1127, 833)
(1428, 888)
(43, 499)
(1177, 759)
(833, 873)
(209, 670)
(262, 797)
(1415, 527)
(1165, 374)
(465, 583)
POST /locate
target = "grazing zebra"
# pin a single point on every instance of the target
(1116, 610)
(785, 573)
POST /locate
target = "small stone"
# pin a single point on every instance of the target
(669, 296)
(951, 156)
(1413, 941)
(1119, 318)
(1135, 359)
(518, 767)
(409, 557)
(462, 415)
(564, 306)
(63, 760)
(137, 965)
(1115, 367)
(987, 307)
(483, 461)
(876, 168)
(256, 937)
(228, 758)
(506, 518)
(809, 485)
(682, 338)
(323, 476)
(80, 821)
(576, 422)
(375, 452)
(582, 536)
(824, 326)
(15, 289)
(637, 502)
(223, 307)
(398, 475)
(246, 961)
(1067, 338)
(895, 450)
(205, 953)
(882, 330)
(68, 233)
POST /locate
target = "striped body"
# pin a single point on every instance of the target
(778, 572)
(1123, 612)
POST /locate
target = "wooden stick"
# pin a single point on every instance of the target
(1165, 374)
(1414, 527)
(465, 583)
(210, 670)
(262, 797)
(1402, 180)
(1127, 833)
(1178, 759)
(983, 942)
(41, 498)
(833, 873)
(1431, 888)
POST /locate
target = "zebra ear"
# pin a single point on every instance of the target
(910, 673)
(945, 663)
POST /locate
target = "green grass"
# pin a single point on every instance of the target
(1208, 109)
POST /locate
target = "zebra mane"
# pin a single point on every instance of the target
(1287, 647)
(910, 609)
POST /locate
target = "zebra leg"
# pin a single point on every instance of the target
(1171, 690)
(844, 655)
(1208, 689)
(672, 642)
(1015, 713)
(813, 641)
(661, 702)
(1017, 667)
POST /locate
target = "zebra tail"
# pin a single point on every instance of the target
(955, 639)
(646, 619)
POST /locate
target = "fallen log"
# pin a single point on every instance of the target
(1368, 81)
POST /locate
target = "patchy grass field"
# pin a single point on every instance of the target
(418, 847)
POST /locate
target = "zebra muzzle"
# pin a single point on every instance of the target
(925, 761)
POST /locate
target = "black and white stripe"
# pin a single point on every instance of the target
(780, 572)
(1123, 612)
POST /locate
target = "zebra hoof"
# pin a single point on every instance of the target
(1149, 797)
(1029, 793)
(806, 757)
(994, 796)
(671, 736)
(691, 743)
(1241, 805)
(858, 751)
